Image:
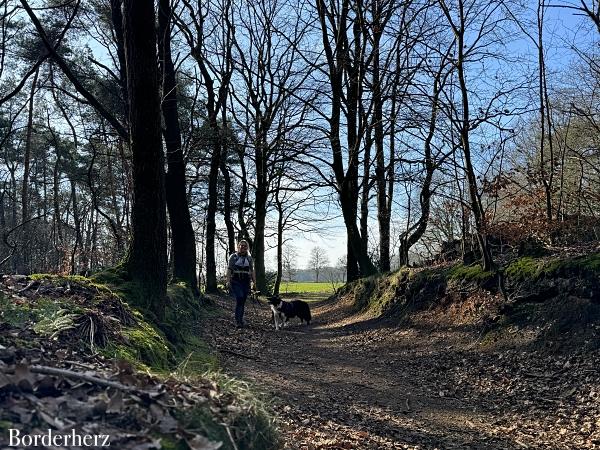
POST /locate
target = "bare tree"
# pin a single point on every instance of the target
(475, 26)
(208, 30)
(432, 159)
(344, 75)
(318, 260)
(269, 101)
(289, 262)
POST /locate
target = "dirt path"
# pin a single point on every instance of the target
(350, 382)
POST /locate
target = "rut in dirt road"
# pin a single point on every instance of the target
(350, 382)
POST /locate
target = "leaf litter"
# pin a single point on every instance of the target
(350, 382)
(54, 381)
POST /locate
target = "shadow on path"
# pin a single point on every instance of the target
(357, 382)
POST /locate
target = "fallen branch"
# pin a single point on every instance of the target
(81, 376)
(231, 352)
(30, 285)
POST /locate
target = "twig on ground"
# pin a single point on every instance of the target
(231, 352)
(81, 376)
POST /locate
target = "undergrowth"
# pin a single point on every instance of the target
(171, 348)
(558, 297)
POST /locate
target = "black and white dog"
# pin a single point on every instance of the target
(283, 311)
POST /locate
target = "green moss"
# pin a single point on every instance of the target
(375, 294)
(44, 314)
(468, 273)
(528, 268)
(363, 292)
(117, 281)
(581, 265)
(419, 279)
(14, 314)
(172, 348)
(170, 443)
(592, 262)
(49, 276)
(144, 347)
(6, 425)
(198, 357)
(524, 268)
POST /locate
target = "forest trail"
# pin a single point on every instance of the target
(349, 381)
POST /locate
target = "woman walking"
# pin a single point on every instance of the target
(240, 278)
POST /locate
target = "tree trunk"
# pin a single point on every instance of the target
(365, 194)
(117, 22)
(77, 221)
(412, 235)
(58, 236)
(146, 259)
(25, 250)
(211, 212)
(465, 125)
(243, 234)
(225, 152)
(280, 226)
(183, 241)
(260, 208)
(383, 214)
(227, 208)
(339, 61)
(545, 118)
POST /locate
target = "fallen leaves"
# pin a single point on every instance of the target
(132, 415)
(418, 387)
(49, 380)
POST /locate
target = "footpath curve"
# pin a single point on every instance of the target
(348, 381)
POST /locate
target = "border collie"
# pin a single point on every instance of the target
(283, 311)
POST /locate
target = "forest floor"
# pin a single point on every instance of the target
(352, 381)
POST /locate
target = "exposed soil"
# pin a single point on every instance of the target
(350, 381)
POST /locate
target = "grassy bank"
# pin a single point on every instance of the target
(94, 320)
(553, 300)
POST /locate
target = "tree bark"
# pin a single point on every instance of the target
(183, 240)
(227, 207)
(383, 214)
(211, 212)
(545, 119)
(412, 235)
(25, 250)
(117, 22)
(77, 220)
(280, 227)
(146, 261)
(464, 128)
(260, 208)
(338, 60)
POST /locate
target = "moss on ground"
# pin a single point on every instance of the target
(117, 280)
(408, 287)
(172, 348)
(588, 265)
(144, 347)
(528, 268)
(468, 273)
(567, 278)
(524, 268)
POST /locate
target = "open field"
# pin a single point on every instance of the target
(325, 288)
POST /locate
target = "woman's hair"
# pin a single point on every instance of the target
(244, 241)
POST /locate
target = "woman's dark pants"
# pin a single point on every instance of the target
(239, 290)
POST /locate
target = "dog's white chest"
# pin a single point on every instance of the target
(276, 317)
